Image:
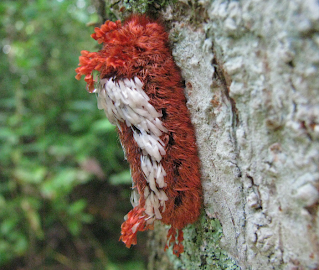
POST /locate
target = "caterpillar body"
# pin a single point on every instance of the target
(141, 91)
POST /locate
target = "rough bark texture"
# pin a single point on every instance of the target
(251, 72)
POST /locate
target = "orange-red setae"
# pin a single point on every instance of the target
(139, 50)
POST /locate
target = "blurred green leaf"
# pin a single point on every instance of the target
(121, 178)
(82, 105)
(49, 124)
(74, 226)
(102, 126)
(21, 245)
(77, 207)
(8, 225)
(35, 175)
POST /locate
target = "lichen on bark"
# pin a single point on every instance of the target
(202, 248)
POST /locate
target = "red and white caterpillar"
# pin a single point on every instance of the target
(141, 91)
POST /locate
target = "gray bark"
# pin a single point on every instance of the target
(251, 72)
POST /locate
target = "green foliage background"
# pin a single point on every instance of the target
(63, 178)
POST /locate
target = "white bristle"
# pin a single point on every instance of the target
(134, 228)
(144, 166)
(146, 192)
(157, 213)
(138, 82)
(162, 196)
(163, 171)
(156, 131)
(163, 205)
(134, 197)
(160, 178)
(150, 179)
(152, 111)
(142, 125)
(125, 101)
(159, 125)
(149, 164)
(148, 206)
(143, 113)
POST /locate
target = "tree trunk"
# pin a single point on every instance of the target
(251, 74)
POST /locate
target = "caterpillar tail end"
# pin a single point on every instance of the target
(177, 244)
(135, 222)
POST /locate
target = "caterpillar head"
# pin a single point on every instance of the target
(127, 49)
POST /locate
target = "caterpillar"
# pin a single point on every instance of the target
(141, 90)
